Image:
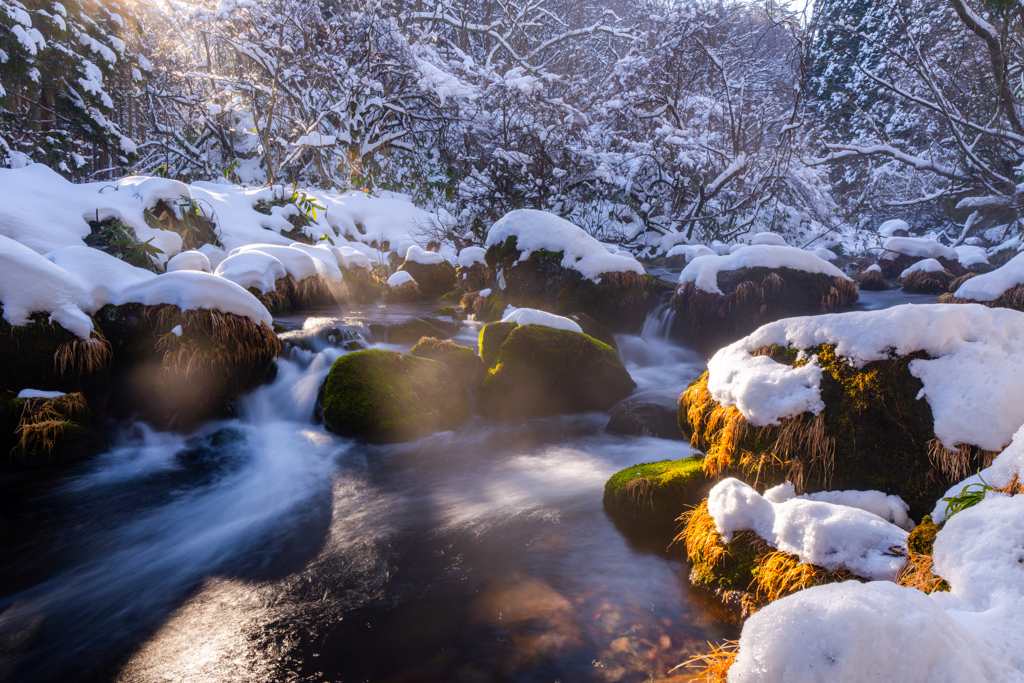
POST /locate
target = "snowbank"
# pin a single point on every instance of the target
(990, 286)
(297, 263)
(252, 269)
(31, 284)
(190, 290)
(827, 534)
(471, 256)
(973, 382)
(770, 238)
(887, 228)
(918, 247)
(190, 260)
(531, 316)
(399, 278)
(422, 256)
(890, 508)
(852, 632)
(703, 270)
(971, 255)
(691, 251)
(102, 274)
(538, 230)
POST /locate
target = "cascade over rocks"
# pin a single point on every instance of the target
(386, 397)
(538, 371)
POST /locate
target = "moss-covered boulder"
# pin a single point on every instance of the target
(486, 305)
(465, 365)
(750, 297)
(435, 279)
(539, 371)
(619, 300)
(386, 397)
(47, 430)
(407, 331)
(594, 329)
(472, 278)
(405, 292)
(179, 367)
(873, 433)
(656, 494)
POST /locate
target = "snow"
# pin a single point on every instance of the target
(990, 286)
(297, 263)
(973, 380)
(349, 257)
(928, 265)
(887, 228)
(826, 534)
(919, 247)
(890, 508)
(484, 293)
(538, 230)
(252, 269)
(31, 284)
(316, 140)
(38, 393)
(189, 260)
(770, 238)
(328, 260)
(873, 268)
(823, 253)
(531, 316)
(190, 290)
(703, 270)
(399, 278)
(471, 255)
(422, 256)
(691, 251)
(102, 274)
(971, 255)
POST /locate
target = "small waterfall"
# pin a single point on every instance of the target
(658, 324)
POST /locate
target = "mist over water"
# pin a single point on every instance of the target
(265, 548)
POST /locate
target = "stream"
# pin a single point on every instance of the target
(263, 548)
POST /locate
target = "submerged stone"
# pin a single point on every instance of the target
(385, 397)
(537, 371)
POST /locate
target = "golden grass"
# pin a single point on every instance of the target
(640, 491)
(713, 667)
(700, 537)
(922, 281)
(956, 464)
(42, 420)
(779, 574)
(405, 292)
(210, 339)
(623, 280)
(871, 279)
(720, 432)
(916, 572)
(82, 356)
(841, 292)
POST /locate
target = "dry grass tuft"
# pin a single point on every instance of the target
(42, 420)
(956, 464)
(623, 280)
(779, 574)
(841, 292)
(1011, 298)
(872, 280)
(640, 491)
(83, 356)
(210, 339)
(700, 536)
(713, 667)
(926, 282)
(916, 572)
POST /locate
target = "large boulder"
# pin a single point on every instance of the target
(1000, 288)
(434, 275)
(385, 397)
(466, 366)
(722, 298)
(536, 371)
(906, 400)
(538, 260)
(900, 253)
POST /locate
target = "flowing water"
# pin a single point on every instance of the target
(265, 549)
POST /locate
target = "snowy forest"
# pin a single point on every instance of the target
(647, 123)
(458, 341)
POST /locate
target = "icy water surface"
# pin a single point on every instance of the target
(266, 549)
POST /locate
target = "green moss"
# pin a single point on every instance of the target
(922, 538)
(465, 365)
(448, 311)
(734, 571)
(492, 336)
(620, 301)
(385, 397)
(542, 371)
(594, 329)
(656, 493)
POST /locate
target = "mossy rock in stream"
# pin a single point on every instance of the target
(894, 266)
(656, 494)
(620, 301)
(924, 282)
(594, 329)
(434, 279)
(466, 366)
(407, 331)
(873, 433)
(386, 397)
(750, 298)
(45, 356)
(540, 371)
(181, 379)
